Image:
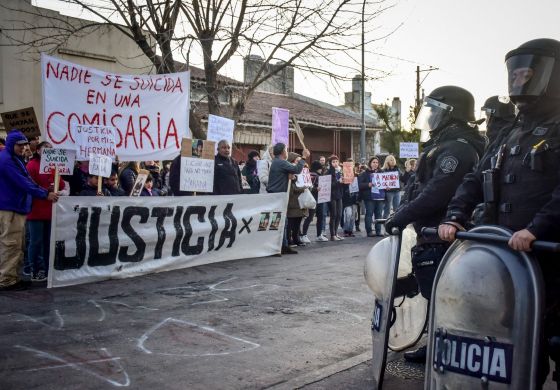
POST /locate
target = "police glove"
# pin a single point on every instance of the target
(392, 223)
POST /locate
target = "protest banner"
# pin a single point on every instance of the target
(220, 128)
(60, 159)
(23, 120)
(139, 182)
(304, 179)
(91, 139)
(280, 125)
(408, 150)
(354, 186)
(100, 165)
(386, 180)
(149, 112)
(197, 175)
(298, 131)
(99, 238)
(347, 172)
(324, 189)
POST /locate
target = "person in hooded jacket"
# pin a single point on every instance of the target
(250, 172)
(18, 191)
(452, 151)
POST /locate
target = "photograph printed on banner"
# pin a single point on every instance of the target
(263, 223)
(276, 218)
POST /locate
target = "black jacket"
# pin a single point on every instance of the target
(92, 191)
(529, 196)
(227, 177)
(336, 186)
(127, 180)
(446, 159)
(175, 178)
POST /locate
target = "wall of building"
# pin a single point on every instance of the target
(103, 47)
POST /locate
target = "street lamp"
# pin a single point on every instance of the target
(363, 97)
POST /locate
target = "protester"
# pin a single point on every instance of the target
(2, 144)
(409, 171)
(91, 187)
(349, 208)
(372, 196)
(335, 205)
(78, 179)
(128, 176)
(154, 169)
(165, 184)
(250, 172)
(149, 189)
(392, 195)
(227, 176)
(278, 178)
(295, 214)
(39, 219)
(16, 195)
(175, 178)
(111, 184)
(315, 171)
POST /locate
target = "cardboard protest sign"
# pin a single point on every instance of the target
(386, 180)
(60, 159)
(220, 128)
(100, 165)
(23, 120)
(347, 172)
(197, 174)
(139, 183)
(304, 179)
(408, 150)
(149, 112)
(280, 125)
(98, 140)
(186, 147)
(208, 150)
(101, 238)
(298, 131)
(324, 189)
(354, 186)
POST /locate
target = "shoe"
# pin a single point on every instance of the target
(300, 243)
(371, 234)
(416, 356)
(322, 238)
(17, 286)
(27, 272)
(339, 238)
(305, 239)
(286, 250)
(336, 238)
(40, 276)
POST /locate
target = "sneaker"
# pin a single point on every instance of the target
(27, 272)
(322, 238)
(339, 238)
(40, 276)
(336, 238)
(305, 239)
(371, 234)
(286, 250)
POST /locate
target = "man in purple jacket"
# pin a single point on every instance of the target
(17, 191)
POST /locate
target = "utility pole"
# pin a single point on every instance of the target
(418, 84)
(363, 93)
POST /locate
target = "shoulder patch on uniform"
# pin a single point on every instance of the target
(449, 164)
(540, 131)
(463, 140)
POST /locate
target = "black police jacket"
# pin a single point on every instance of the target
(529, 187)
(445, 160)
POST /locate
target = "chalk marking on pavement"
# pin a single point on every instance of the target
(38, 321)
(102, 316)
(213, 287)
(129, 306)
(77, 366)
(145, 337)
(220, 299)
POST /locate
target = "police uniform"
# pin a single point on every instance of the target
(528, 181)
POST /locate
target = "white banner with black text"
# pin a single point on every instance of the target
(99, 238)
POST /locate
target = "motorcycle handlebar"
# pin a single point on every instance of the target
(493, 238)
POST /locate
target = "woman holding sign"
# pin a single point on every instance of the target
(373, 197)
(335, 205)
(39, 219)
(392, 195)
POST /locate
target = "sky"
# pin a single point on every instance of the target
(466, 40)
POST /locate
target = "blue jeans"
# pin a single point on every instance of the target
(39, 245)
(373, 208)
(391, 199)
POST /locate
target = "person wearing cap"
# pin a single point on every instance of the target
(18, 191)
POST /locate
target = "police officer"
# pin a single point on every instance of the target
(499, 114)
(524, 183)
(453, 149)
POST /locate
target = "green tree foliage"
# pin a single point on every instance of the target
(394, 134)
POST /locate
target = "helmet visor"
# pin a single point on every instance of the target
(528, 74)
(432, 115)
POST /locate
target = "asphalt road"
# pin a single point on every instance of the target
(253, 323)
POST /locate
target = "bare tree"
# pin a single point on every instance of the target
(319, 36)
